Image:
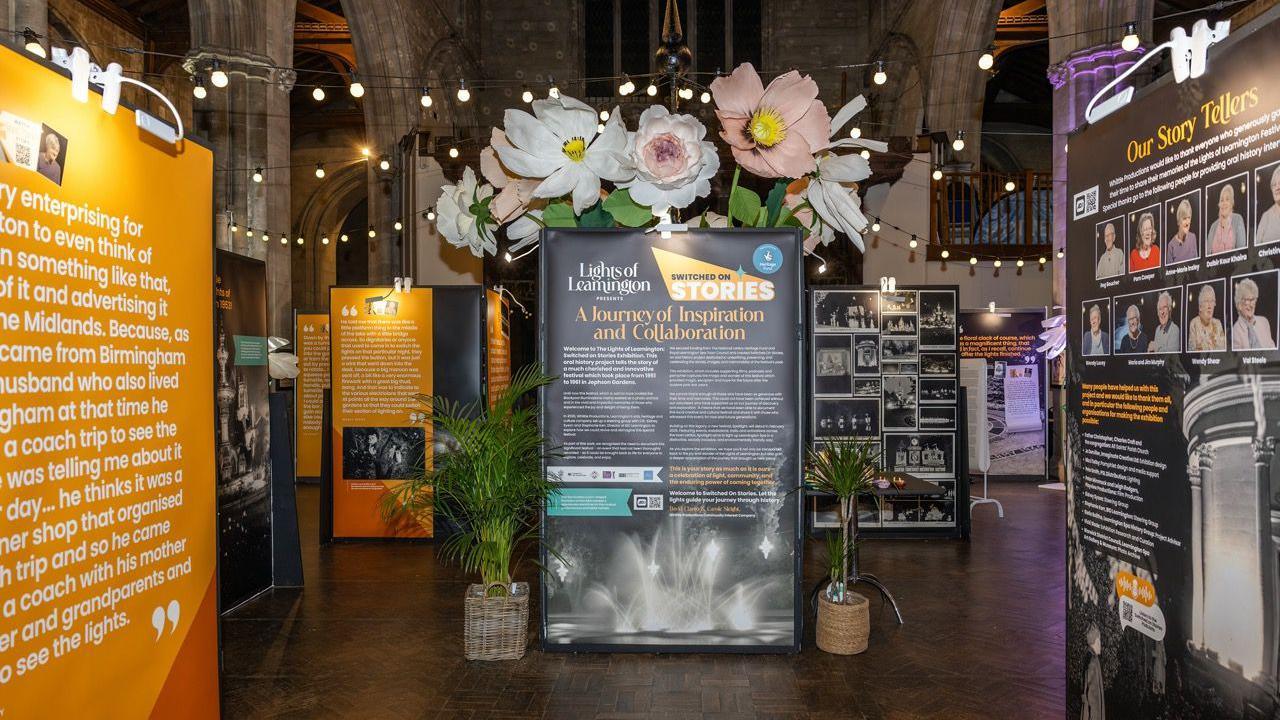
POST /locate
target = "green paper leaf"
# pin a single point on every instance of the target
(559, 215)
(625, 210)
(762, 217)
(784, 217)
(774, 201)
(596, 217)
(744, 205)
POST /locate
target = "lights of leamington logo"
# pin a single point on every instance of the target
(605, 279)
(690, 279)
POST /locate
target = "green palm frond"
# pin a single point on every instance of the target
(490, 484)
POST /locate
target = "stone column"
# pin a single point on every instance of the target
(248, 125)
(1197, 472)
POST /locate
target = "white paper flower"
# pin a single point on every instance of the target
(1054, 338)
(834, 197)
(524, 231)
(462, 215)
(559, 145)
(673, 163)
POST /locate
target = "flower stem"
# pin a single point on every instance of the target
(737, 170)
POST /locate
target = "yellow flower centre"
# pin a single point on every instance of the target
(575, 148)
(767, 127)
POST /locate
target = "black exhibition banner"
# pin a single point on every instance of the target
(1017, 386)
(883, 369)
(677, 419)
(1173, 396)
(242, 428)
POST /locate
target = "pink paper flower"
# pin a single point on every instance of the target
(774, 131)
(515, 192)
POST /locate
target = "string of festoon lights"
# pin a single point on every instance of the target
(685, 87)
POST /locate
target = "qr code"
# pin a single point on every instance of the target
(647, 502)
(23, 152)
(1085, 203)
(1126, 612)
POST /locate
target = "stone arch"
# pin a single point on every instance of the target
(956, 87)
(899, 103)
(322, 215)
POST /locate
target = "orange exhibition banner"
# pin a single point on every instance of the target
(381, 357)
(498, 339)
(311, 338)
(107, 547)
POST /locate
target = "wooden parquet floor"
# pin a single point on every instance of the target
(376, 634)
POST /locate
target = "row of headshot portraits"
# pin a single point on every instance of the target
(1218, 315)
(1220, 218)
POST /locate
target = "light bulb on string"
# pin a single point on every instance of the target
(880, 77)
(426, 98)
(855, 132)
(997, 264)
(464, 94)
(356, 88)
(284, 239)
(599, 128)
(300, 240)
(651, 90)
(627, 87)
(234, 228)
(913, 243)
(257, 175)
(398, 226)
(217, 75)
(604, 116)
(343, 237)
(958, 143)
(372, 233)
(1061, 254)
(1130, 40)
(324, 240)
(320, 171)
(1008, 186)
(384, 163)
(554, 90)
(973, 261)
(431, 215)
(1021, 262)
(987, 59)
(945, 254)
(527, 95)
(937, 173)
(875, 225)
(453, 152)
(199, 90)
(705, 97)
(248, 232)
(1043, 260)
(317, 94)
(866, 154)
(686, 93)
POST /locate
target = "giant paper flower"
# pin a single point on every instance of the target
(514, 192)
(773, 131)
(524, 231)
(673, 164)
(832, 194)
(463, 218)
(560, 146)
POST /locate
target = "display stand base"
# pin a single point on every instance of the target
(986, 499)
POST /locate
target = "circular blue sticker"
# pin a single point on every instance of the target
(767, 259)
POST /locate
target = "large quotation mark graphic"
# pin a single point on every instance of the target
(173, 613)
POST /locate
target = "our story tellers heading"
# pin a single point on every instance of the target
(1218, 111)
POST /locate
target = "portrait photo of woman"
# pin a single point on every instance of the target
(1183, 245)
(1145, 254)
(1227, 231)
(1252, 329)
(1268, 190)
(1205, 331)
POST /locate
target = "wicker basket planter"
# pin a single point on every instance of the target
(843, 629)
(496, 627)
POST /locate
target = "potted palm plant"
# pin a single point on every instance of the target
(845, 470)
(490, 485)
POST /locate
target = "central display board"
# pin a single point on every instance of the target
(1174, 397)
(677, 418)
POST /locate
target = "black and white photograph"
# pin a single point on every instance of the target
(899, 302)
(1182, 221)
(866, 387)
(1149, 322)
(1110, 248)
(943, 364)
(899, 325)
(833, 364)
(1226, 205)
(904, 512)
(1253, 311)
(845, 310)
(1207, 316)
(938, 417)
(900, 402)
(924, 454)
(381, 453)
(937, 391)
(937, 319)
(898, 349)
(846, 418)
(900, 368)
(1266, 204)
(866, 354)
